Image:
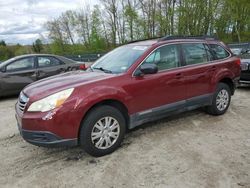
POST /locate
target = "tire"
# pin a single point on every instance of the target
(95, 136)
(221, 100)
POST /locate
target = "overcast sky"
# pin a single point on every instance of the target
(22, 21)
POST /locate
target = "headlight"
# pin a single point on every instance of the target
(51, 102)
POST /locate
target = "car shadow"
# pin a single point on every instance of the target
(5, 98)
(76, 153)
(244, 87)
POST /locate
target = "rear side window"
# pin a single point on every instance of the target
(48, 61)
(166, 57)
(218, 51)
(194, 53)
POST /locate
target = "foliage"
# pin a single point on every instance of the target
(115, 22)
(37, 46)
(2, 43)
(120, 21)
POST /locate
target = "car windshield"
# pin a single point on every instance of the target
(119, 59)
(7, 61)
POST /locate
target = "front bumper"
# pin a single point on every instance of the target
(46, 139)
(56, 128)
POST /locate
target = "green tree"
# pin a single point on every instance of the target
(37, 46)
(131, 17)
(2, 43)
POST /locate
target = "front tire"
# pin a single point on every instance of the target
(102, 130)
(221, 100)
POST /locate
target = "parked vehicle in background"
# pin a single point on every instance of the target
(20, 71)
(245, 71)
(237, 51)
(244, 55)
(133, 84)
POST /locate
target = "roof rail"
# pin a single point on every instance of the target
(139, 40)
(176, 37)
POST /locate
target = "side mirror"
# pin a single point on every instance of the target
(147, 69)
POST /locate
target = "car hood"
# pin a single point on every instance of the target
(61, 82)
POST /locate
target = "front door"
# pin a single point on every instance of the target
(164, 91)
(18, 74)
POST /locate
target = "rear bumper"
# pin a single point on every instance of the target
(46, 139)
(245, 77)
(244, 81)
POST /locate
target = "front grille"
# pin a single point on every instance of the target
(22, 102)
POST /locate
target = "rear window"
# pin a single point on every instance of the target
(48, 61)
(218, 51)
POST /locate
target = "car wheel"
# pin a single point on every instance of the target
(102, 131)
(221, 100)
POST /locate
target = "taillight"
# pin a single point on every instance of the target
(238, 62)
(82, 67)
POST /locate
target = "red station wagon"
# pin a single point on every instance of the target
(133, 84)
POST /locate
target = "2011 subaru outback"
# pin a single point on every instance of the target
(133, 84)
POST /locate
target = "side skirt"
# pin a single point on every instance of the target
(169, 109)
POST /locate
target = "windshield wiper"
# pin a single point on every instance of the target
(102, 69)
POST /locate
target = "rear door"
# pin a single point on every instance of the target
(18, 74)
(49, 66)
(199, 71)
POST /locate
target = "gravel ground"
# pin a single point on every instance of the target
(188, 150)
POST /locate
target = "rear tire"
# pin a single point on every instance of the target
(102, 130)
(221, 100)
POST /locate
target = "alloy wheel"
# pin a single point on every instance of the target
(105, 132)
(222, 100)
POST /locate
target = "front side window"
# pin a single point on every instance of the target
(218, 51)
(48, 61)
(22, 64)
(194, 53)
(166, 57)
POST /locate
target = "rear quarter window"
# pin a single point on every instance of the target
(218, 51)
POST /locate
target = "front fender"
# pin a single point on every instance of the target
(95, 95)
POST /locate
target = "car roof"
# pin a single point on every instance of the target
(177, 39)
(31, 55)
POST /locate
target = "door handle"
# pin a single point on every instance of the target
(38, 73)
(178, 76)
(35, 74)
(62, 69)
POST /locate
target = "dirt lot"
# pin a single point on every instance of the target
(189, 150)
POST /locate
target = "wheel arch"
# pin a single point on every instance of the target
(229, 82)
(110, 102)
